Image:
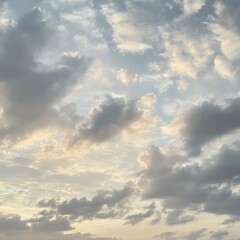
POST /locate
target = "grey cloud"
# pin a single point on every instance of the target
(230, 14)
(107, 121)
(223, 168)
(232, 220)
(223, 201)
(139, 217)
(12, 222)
(196, 187)
(44, 225)
(166, 236)
(207, 122)
(104, 204)
(178, 217)
(55, 225)
(219, 234)
(31, 89)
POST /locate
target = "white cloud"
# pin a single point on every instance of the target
(192, 6)
(223, 68)
(148, 100)
(127, 34)
(126, 77)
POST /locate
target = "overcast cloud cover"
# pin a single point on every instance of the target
(119, 119)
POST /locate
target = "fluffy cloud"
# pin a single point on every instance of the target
(126, 32)
(106, 204)
(207, 122)
(31, 89)
(223, 68)
(191, 186)
(191, 6)
(107, 121)
(148, 100)
(126, 77)
(12, 222)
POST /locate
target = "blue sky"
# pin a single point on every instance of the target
(119, 119)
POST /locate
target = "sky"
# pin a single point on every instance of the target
(119, 119)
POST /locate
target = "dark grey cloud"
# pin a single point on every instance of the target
(107, 121)
(197, 187)
(106, 204)
(207, 122)
(221, 234)
(31, 89)
(223, 201)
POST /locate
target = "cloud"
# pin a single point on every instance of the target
(56, 225)
(126, 77)
(31, 88)
(139, 217)
(192, 6)
(207, 122)
(126, 33)
(110, 119)
(148, 100)
(106, 204)
(223, 68)
(12, 222)
(219, 234)
(184, 186)
(166, 236)
(196, 234)
(232, 220)
(226, 27)
(178, 217)
(228, 41)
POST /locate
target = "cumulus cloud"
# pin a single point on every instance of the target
(181, 185)
(12, 222)
(110, 119)
(106, 204)
(31, 88)
(207, 122)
